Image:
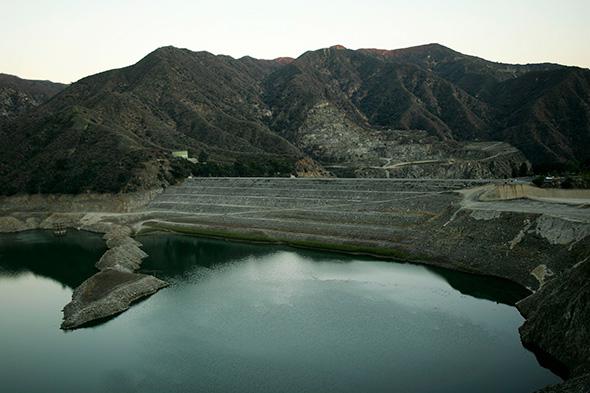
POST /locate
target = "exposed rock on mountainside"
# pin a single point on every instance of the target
(18, 95)
(115, 131)
(542, 109)
(350, 150)
(307, 167)
(565, 301)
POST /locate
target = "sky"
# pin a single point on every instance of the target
(65, 40)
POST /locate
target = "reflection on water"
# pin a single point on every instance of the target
(172, 256)
(250, 318)
(66, 259)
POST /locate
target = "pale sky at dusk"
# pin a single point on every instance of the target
(65, 40)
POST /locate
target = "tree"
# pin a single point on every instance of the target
(203, 156)
(538, 181)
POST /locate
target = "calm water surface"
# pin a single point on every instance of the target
(250, 318)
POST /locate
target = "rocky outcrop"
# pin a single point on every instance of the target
(106, 294)
(573, 385)
(520, 191)
(115, 287)
(558, 319)
(306, 167)
(13, 224)
(519, 246)
(351, 150)
(125, 257)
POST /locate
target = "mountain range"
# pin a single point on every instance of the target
(421, 111)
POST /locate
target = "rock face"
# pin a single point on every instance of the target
(13, 224)
(558, 319)
(574, 385)
(112, 290)
(350, 150)
(306, 167)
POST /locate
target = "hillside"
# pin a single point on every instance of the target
(423, 111)
(542, 109)
(20, 95)
(115, 131)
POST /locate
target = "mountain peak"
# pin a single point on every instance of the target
(426, 48)
(170, 51)
(284, 60)
(166, 49)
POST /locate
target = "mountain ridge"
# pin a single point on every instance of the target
(19, 95)
(255, 110)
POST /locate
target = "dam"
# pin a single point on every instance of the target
(348, 213)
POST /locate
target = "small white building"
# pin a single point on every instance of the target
(180, 154)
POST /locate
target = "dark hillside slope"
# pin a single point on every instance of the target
(542, 109)
(547, 115)
(115, 131)
(367, 112)
(473, 74)
(374, 93)
(18, 96)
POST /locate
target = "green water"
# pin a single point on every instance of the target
(250, 318)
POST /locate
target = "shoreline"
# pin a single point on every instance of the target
(539, 245)
(334, 248)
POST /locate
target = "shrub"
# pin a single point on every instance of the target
(538, 181)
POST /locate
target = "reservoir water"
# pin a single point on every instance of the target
(255, 318)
